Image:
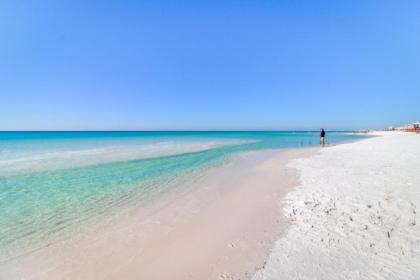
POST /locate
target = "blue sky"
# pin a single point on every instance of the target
(208, 64)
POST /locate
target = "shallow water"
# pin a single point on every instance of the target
(50, 182)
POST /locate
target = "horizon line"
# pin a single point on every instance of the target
(168, 130)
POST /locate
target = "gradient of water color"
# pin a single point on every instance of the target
(51, 182)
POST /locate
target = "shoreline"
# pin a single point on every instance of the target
(221, 227)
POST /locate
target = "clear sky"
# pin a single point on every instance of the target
(208, 64)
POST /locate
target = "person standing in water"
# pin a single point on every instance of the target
(322, 137)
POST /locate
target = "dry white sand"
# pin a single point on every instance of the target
(220, 227)
(354, 214)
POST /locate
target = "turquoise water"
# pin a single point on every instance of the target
(50, 182)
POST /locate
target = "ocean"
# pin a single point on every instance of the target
(53, 182)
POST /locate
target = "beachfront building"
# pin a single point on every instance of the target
(412, 127)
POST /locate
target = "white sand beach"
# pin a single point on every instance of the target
(342, 212)
(354, 214)
(209, 140)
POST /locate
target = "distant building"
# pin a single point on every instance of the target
(412, 127)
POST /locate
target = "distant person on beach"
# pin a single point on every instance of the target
(322, 137)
